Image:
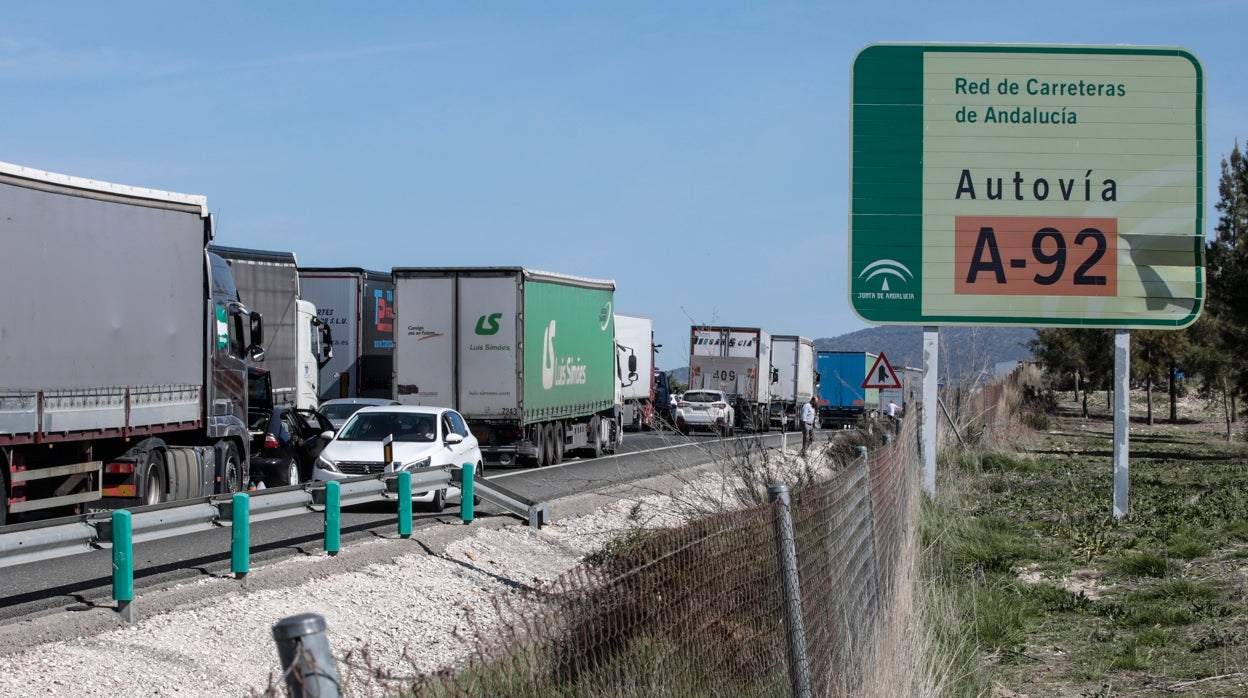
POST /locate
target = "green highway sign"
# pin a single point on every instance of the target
(1027, 185)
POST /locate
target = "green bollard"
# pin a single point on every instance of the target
(240, 547)
(466, 497)
(405, 504)
(333, 517)
(123, 564)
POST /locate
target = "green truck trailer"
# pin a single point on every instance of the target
(528, 357)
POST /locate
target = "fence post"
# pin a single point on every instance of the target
(240, 536)
(307, 662)
(333, 517)
(466, 493)
(404, 503)
(786, 553)
(123, 565)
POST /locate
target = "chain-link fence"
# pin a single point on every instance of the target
(699, 610)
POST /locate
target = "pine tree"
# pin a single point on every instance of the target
(1223, 328)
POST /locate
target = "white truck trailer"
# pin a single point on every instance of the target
(123, 365)
(358, 305)
(794, 360)
(634, 339)
(298, 343)
(527, 357)
(736, 360)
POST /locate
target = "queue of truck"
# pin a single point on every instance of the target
(164, 387)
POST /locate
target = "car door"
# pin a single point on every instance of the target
(314, 424)
(458, 452)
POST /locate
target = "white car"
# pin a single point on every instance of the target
(422, 437)
(704, 409)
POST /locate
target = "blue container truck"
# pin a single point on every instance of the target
(843, 402)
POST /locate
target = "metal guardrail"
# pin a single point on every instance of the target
(36, 542)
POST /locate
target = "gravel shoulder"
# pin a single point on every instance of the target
(404, 605)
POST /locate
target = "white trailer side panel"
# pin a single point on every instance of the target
(636, 333)
(793, 358)
(489, 353)
(424, 340)
(99, 293)
(337, 300)
(805, 370)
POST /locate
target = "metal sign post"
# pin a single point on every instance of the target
(1122, 419)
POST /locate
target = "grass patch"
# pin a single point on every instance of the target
(1054, 591)
(1143, 565)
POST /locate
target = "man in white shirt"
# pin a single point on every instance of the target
(894, 415)
(808, 424)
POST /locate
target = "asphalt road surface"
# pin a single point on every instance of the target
(84, 581)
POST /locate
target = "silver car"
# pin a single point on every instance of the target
(339, 410)
(705, 409)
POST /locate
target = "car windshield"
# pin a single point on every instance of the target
(341, 410)
(376, 426)
(702, 397)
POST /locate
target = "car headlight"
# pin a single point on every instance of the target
(326, 464)
(422, 463)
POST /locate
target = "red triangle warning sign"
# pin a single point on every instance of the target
(881, 375)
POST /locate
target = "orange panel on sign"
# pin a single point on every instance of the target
(1035, 256)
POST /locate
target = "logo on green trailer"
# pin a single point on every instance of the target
(556, 372)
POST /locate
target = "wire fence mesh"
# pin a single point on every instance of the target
(698, 610)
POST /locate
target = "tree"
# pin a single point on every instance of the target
(1085, 354)
(1223, 329)
(1155, 357)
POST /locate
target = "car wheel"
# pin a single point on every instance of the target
(439, 501)
(153, 478)
(292, 472)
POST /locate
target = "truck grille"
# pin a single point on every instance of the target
(360, 468)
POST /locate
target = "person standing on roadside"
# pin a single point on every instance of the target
(808, 424)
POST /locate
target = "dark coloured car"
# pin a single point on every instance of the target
(285, 443)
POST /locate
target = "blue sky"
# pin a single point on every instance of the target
(696, 153)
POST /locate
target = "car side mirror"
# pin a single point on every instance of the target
(327, 435)
(453, 438)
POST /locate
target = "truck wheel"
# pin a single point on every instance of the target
(231, 475)
(186, 470)
(539, 442)
(560, 442)
(596, 425)
(4, 495)
(549, 437)
(154, 478)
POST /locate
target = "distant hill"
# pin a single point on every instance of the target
(964, 351)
